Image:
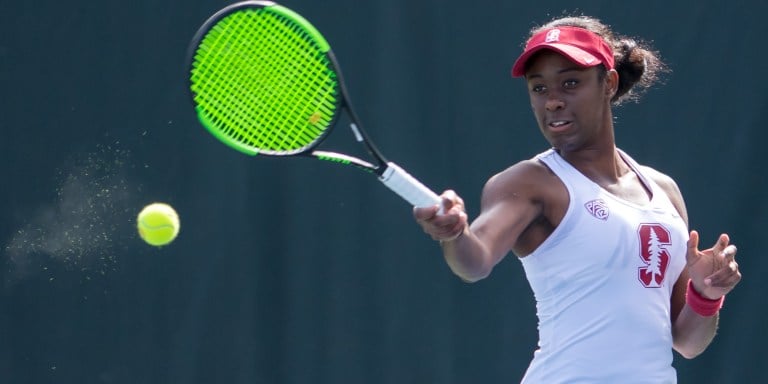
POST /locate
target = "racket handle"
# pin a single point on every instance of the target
(410, 189)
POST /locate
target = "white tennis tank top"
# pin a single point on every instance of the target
(603, 281)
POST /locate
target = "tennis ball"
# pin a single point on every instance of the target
(158, 224)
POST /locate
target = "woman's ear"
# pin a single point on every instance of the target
(611, 83)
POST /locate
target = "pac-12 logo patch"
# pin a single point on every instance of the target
(654, 254)
(597, 208)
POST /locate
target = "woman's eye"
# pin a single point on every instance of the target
(570, 84)
(537, 89)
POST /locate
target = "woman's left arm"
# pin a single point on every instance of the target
(699, 293)
(701, 288)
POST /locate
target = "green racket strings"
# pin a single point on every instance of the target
(262, 82)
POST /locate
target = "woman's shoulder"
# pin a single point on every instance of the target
(670, 188)
(530, 171)
(529, 178)
(666, 182)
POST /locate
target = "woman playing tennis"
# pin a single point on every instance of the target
(619, 280)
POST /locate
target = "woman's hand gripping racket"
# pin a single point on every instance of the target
(265, 82)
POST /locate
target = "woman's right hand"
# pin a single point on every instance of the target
(446, 225)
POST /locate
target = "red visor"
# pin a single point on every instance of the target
(581, 46)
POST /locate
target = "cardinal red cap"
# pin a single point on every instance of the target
(581, 46)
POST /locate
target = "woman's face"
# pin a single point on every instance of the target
(571, 103)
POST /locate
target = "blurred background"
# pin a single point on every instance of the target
(297, 271)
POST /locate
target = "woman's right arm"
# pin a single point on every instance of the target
(511, 201)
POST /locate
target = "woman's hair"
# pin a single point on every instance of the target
(638, 65)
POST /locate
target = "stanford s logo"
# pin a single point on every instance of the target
(654, 240)
(552, 36)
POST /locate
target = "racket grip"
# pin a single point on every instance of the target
(410, 189)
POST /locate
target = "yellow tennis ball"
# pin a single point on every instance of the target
(158, 224)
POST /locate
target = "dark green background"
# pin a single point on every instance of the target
(295, 271)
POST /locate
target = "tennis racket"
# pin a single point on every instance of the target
(265, 82)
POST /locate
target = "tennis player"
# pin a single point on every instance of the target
(619, 280)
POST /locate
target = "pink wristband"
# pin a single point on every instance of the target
(700, 304)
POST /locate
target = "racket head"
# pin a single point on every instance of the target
(263, 80)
